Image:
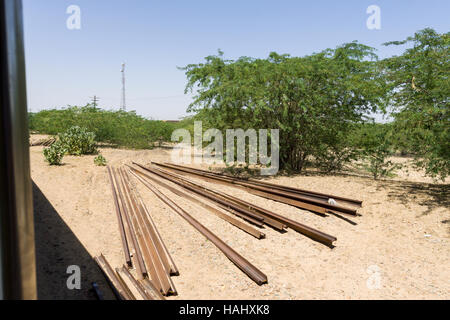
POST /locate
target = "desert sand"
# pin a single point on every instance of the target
(398, 249)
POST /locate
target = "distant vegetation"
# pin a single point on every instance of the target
(120, 128)
(320, 103)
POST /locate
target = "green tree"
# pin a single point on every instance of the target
(313, 100)
(373, 143)
(420, 86)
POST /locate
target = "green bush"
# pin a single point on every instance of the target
(375, 143)
(78, 141)
(100, 160)
(55, 153)
(120, 128)
(336, 152)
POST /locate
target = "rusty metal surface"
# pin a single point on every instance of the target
(144, 244)
(299, 227)
(120, 220)
(315, 194)
(138, 285)
(151, 289)
(203, 192)
(302, 205)
(292, 202)
(138, 261)
(268, 190)
(254, 273)
(173, 270)
(154, 260)
(124, 285)
(116, 285)
(155, 236)
(250, 215)
(247, 228)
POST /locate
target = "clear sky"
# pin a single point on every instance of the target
(68, 67)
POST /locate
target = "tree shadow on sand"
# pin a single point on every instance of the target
(58, 248)
(425, 194)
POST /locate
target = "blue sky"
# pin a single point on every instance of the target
(67, 67)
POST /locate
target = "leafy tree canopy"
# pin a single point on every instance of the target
(419, 87)
(313, 100)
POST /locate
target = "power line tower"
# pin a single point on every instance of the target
(95, 99)
(123, 105)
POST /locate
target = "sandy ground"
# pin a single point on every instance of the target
(399, 249)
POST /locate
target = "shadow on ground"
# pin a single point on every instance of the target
(56, 249)
(426, 194)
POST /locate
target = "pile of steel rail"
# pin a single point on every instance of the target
(312, 201)
(144, 248)
(43, 142)
(116, 280)
(142, 244)
(258, 216)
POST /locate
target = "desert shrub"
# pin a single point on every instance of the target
(55, 153)
(78, 141)
(100, 160)
(375, 143)
(336, 152)
(334, 159)
(125, 129)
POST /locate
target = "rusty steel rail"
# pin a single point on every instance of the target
(145, 294)
(307, 202)
(187, 195)
(166, 258)
(119, 288)
(311, 233)
(251, 271)
(173, 270)
(153, 256)
(151, 289)
(160, 260)
(137, 254)
(150, 225)
(302, 205)
(161, 283)
(124, 273)
(220, 198)
(123, 236)
(314, 194)
(249, 214)
(124, 284)
(318, 210)
(130, 236)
